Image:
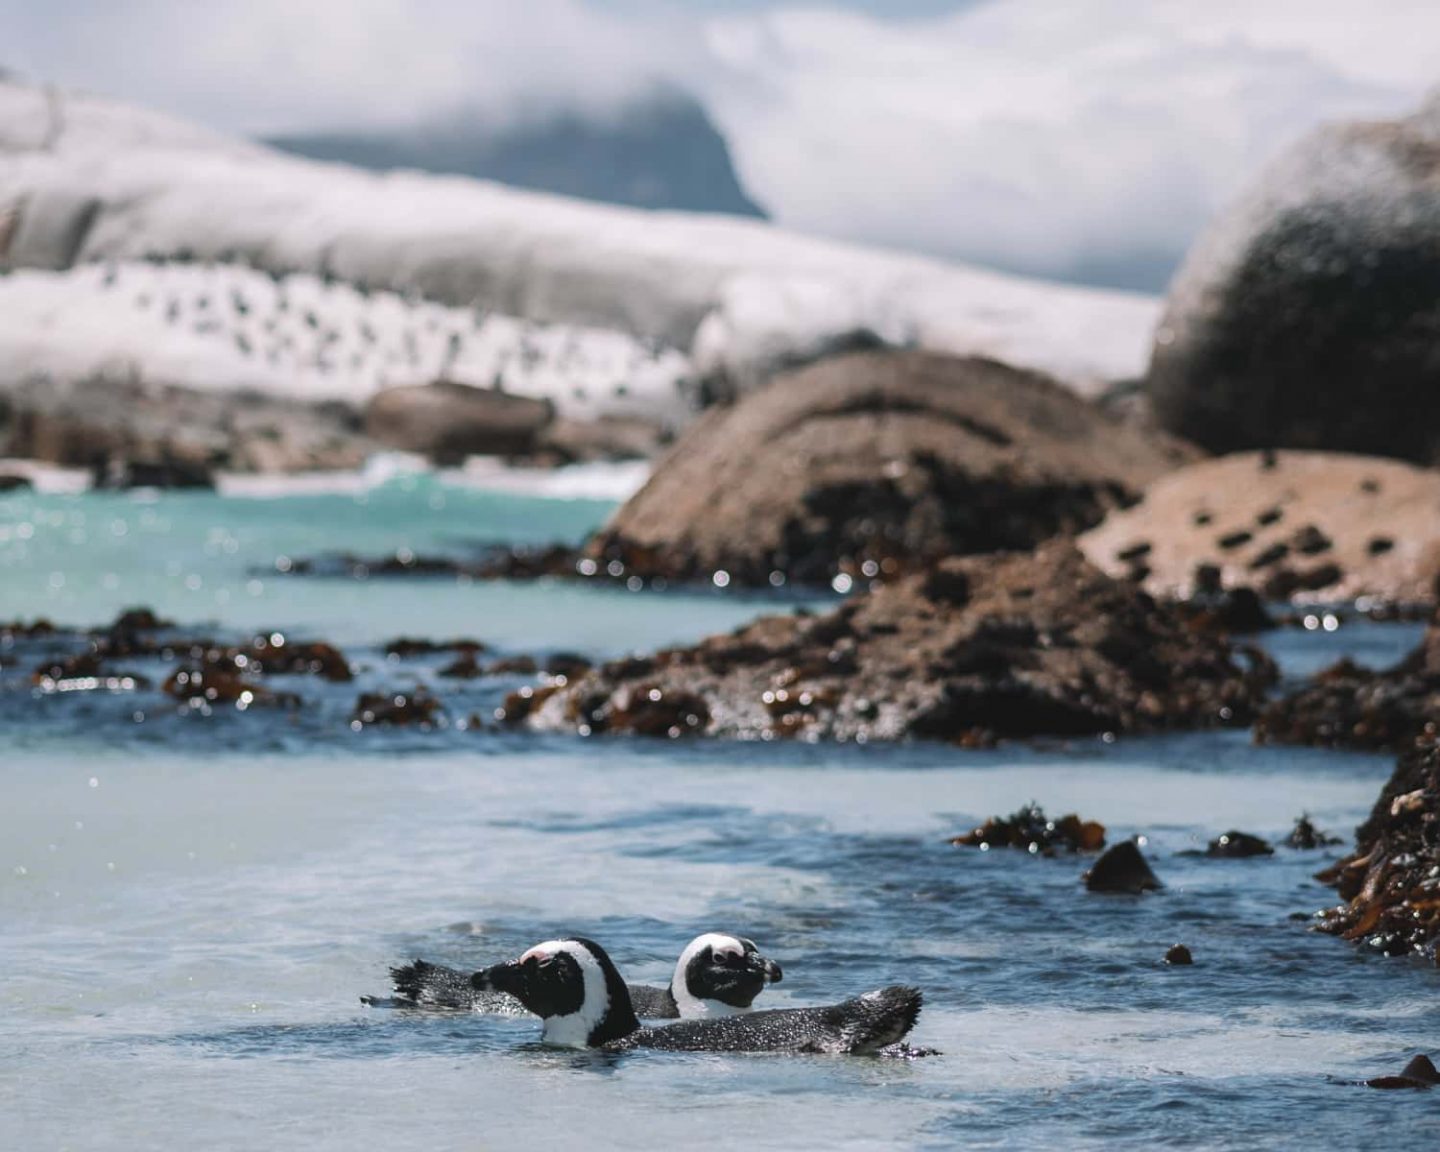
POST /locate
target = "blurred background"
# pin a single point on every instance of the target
(1085, 141)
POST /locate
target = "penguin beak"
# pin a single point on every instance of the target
(497, 978)
(766, 968)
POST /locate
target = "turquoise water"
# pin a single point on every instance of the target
(192, 905)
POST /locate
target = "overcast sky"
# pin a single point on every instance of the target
(1087, 139)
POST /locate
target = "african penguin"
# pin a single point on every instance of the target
(575, 989)
(716, 975)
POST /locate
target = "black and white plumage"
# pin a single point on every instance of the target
(716, 975)
(573, 986)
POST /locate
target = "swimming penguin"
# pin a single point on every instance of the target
(573, 986)
(716, 975)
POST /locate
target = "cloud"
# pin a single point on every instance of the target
(271, 65)
(1087, 139)
(1076, 138)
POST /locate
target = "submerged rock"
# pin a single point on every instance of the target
(1124, 870)
(1032, 831)
(1305, 837)
(870, 464)
(1307, 314)
(1283, 525)
(1347, 706)
(1179, 956)
(1237, 846)
(1419, 1073)
(396, 709)
(971, 650)
(1391, 883)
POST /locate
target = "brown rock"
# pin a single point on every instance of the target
(398, 709)
(1179, 956)
(979, 648)
(1122, 870)
(874, 462)
(1310, 521)
(1030, 830)
(448, 422)
(1347, 706)
(1391, 884)
(1419, 1073)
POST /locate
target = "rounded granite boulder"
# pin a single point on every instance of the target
(870, 464)
(1308, 316)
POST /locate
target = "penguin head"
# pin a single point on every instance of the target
(572, 985)
(720, 975)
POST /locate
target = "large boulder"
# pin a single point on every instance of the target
(870, 463)
(1391, 884)
(1321, 525)
(447, 421)
(971, 650)
(1308, 316)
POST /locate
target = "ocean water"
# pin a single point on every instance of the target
(192, 905)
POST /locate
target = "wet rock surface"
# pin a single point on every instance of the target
(141, 671)
(1349, 706)
(1122, 870)
(1307, 315)
(1305, 837)
(1283, 525)
(1179, 956)
(1420, 1072)
(867, 465)
(1390, 884)
(1030, 830)
(972, 650)
(1237, 846)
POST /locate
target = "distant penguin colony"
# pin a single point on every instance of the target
(716, 975)
(582, 1001)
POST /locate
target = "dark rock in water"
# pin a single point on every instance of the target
(1306, 837)
(219, 686)
(14, 482)
(395, 709)
(1179, 955)
(1391, 883)
(448, 422)
(170, 472)
(139, 620)
(463, 667)
(405, 647)
(1237, 846)
(520, 704)
(1419, 1073)
(972, 650)
(567, 665)
(1032, 831)
(513, 666)
(1306, 317)
(1230, 611)
(1347, 706)
(866, 465)
(1283, 524)
(1123, 869)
